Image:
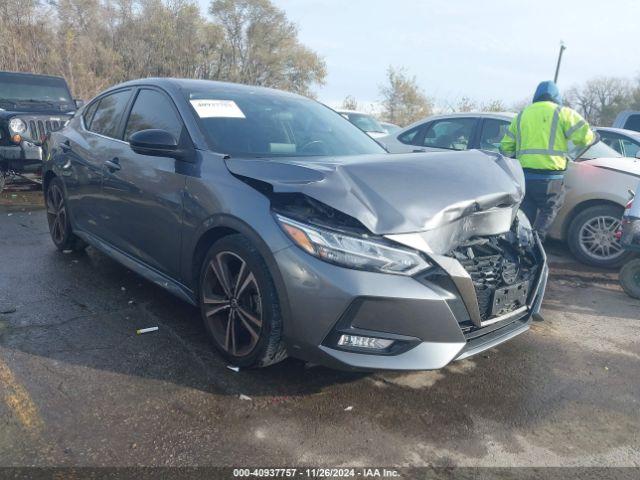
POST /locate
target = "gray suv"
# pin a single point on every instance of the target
(292, 230)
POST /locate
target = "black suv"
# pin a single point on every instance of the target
(31, 106)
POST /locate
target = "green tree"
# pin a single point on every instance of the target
(403, 102)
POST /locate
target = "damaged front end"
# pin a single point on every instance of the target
(505, 272)
(464, 269)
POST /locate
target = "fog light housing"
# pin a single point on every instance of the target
(357, 341)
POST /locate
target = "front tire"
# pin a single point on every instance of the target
(239, 304)
(591, 237)
(630, 278)
(58, 218)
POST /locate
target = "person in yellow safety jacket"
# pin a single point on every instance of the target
(538, 137)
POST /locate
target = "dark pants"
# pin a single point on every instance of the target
(542, 200)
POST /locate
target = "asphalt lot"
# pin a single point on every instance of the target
(79, 387)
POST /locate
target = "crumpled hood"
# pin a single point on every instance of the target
(395, 194)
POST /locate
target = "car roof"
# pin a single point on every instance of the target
(192, 84)
(621, 131)
(27, 74)
(342, 110)
(499, 115)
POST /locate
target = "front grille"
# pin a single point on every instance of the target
(493, 265)
(39, 129)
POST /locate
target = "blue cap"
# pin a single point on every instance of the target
(547, 92)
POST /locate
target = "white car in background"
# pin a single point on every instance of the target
(625, 142)
(365, 122)
(390, 127)
(597, 183)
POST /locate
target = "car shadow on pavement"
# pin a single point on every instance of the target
(87, 309)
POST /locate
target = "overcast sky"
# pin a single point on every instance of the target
(484, 49)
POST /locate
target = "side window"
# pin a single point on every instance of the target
(493, 131)
(88, 114)
(451, 133)
(630, 148)
(633, 123)
(108, 114)
(153, 109)
(409, 136)
(612, 141)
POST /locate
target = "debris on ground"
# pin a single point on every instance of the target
(130, 302)
(146, 330)
(123, 289)
(235, 369)
(67, 252)
(7, 310)
(244, 397)
(348, 409)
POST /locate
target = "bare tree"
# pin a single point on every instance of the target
(96, 43)
(260, 46)
(403, 102)
(349, 103)
(600, 99)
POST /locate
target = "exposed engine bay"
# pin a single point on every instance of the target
(502, 267)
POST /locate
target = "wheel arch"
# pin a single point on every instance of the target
(581, 207)
(224, 225)
(46, 179)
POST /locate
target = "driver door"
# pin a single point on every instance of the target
(143, 194)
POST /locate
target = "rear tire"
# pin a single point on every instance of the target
(58, 218)
(630, 278)
(239, 304)
(591, 237)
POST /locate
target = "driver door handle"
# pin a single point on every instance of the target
(113, 164)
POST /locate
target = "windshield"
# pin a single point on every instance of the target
(268, 125)
(598, 150)
(364, 122)
(25, 89)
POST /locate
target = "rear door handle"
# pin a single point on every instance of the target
(419, 151)
(113, 164)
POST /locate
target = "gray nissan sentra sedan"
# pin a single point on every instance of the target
(292, 230)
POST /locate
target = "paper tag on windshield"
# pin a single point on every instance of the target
(217, 108)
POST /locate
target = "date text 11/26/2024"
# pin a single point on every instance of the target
(316, 472)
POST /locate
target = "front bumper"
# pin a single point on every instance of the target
(19, 156)
(425, 317)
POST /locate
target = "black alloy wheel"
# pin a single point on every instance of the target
(58, 219)
(239, 304)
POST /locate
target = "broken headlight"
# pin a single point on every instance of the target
(524, 231)
(351, 251)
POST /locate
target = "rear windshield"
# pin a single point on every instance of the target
(599, 150)
(365, 122)
(25, 90)
(266, 125)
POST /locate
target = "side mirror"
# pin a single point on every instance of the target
(79, 103)
(154, 142)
